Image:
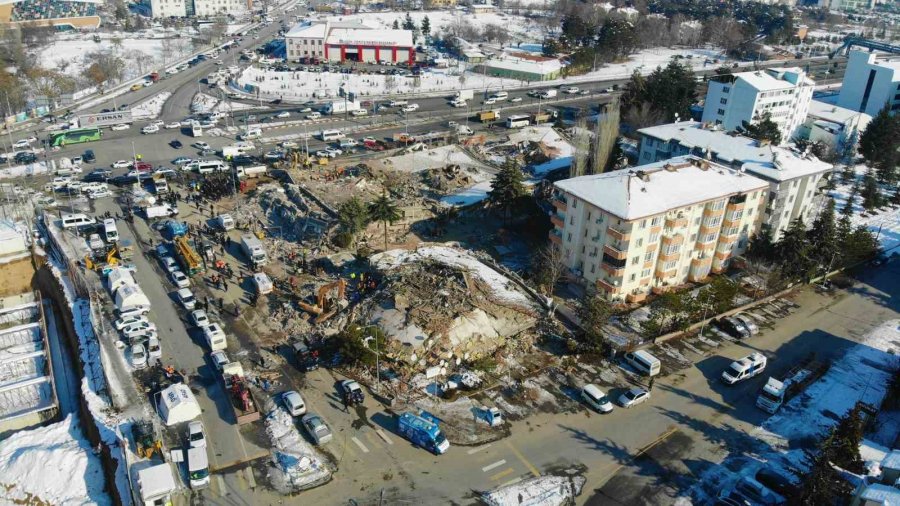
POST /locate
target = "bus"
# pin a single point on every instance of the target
(75, 136)
(518, 121)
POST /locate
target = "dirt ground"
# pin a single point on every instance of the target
(16, 277)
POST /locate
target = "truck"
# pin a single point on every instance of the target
(542, 117)
(340, 107)
(187, 256)
(744, 368)
(196, 129)
(160, 185)
(156, 485)
(423, 430)
(254, 250)
(251, 171)
(243, 403)
(240, 148)
(463, 95)
(489, 116)
(545, 94)
(777, 391)
(160, 211)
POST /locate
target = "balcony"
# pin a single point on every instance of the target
(708, 229)
(678, 222)
(615, 252)
(606, 286)
(618, 234)
(662, 272)
(709, 212)
(612, 270)
(722, 255)
(668, 257)
(560, 204)
(699, 269)
(636, 297)
(555, 237)
(656, 229)
(557, 220)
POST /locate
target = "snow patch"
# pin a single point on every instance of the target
(540, 491)
(297, 465)
(150, 108)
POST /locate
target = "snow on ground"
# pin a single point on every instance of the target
(468, 196)
(540, 491)
(150, 108)
(862, 374)
(31, 169)
(431, 158)
(503, 288)
(884, 223)
(298, 465)
(202, 103)
(51, 465)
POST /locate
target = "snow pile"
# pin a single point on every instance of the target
(150, 108)
(31, 169)
(468, 196)
(418, 161)
(51, 465)
(203, 103)
(503, 289)
(886, 223)
(862, 374)
(297, 465)
(540, 491)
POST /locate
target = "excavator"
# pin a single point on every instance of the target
(121, 252)
(326, 307)
(145, 439)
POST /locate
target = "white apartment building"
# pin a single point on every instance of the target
(794, 178)
(656, 226)
(833, 125)
(169, 8)
(871, 82)
(746, 96)
(200, 8)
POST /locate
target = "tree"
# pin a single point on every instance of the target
(823, 237)
(821, 484)
(669, 91)
(616, 39)
(507, 188)
(847, 210)
(878, 144)
(860, 245)
(357, 348)
(103, 66)
(605, 138)
(547, 267)
(870, 193)
(384, 210)
(762, 245)
(841, 447)
(763, 129)
(594, 313)
(794, 253)
(396, 25)
(721, 292)
(426, 26)
(353, 217)
(408, 23)
(551, 47)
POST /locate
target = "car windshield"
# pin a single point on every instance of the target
(632, 394)
(769, 397)
(735, 370)
(188, 298)
(196, 436)
(200, 474)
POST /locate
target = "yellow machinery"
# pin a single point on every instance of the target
(189, 257)
(323, 308)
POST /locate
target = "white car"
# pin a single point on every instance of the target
(196, 437)
(77, 160)
(313, 115)
(334, 152)
(349, 143)
(199, 318)
(306, 109)
(173, 125)
(138, 328)
(138, 356)
(150, 129)
(186, 122)
(490, 101)
(122, 164)
(571, 90)
(157, 123)
(202, 145)
(323, 153)
(22, 144)
(359, 112)
(99, 194)
(283, 114)
(121, 323)
(153, 348)
(633, 397)
(186, 298)
(288, 144)
(410, 108)
(169, 264)
(316, 428)
(179, 279)
(219, 359)
(515, 99)
(294, 403)
(120, 126)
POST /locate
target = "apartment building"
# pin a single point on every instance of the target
(871, 82)
(656, 226)
(794, 178)
(200, 8)
(747, 96)
(835, 126)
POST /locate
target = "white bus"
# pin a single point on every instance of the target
(207, 166)
(500, 95)
(517, 121)
(331, 135)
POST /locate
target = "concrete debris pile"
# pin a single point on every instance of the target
(538, 152)
(452, 177)
(289, 210)
(440, 302)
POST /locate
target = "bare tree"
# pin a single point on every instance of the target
(547, 267)
(166, 50)
(643, 115)
(139, 59)
(103, 66)
(51, 84)
(605, 137)
(582, 141)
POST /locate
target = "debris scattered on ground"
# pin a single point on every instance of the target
(296, 465)
(540, 491)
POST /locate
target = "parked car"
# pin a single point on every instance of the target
(219, 359)
(202, 145)
(596, 399)
(731, 327)
(120, 126)
(169, 264)
(186, 298)
(122, 164)
(633, 397)
(333, 152)
(179, 279)
(316, 428)
(154, 350)
(21, 144)
(175, 143)
(138, 356)
(748, 323)
(173, 125)
(313, 115)
(283, 114)
(121, 323)
(138, 328)
(195, 435)
(352, 393)
(199, 318)
(150, 129)
(756, 492)
(779, 483)
(294, 403)
(181, 160)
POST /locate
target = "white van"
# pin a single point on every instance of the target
(253, 133)
(76, 220)
(500, 95)
(215, 337)
(110, 231)
(644, 362)
(331, 135)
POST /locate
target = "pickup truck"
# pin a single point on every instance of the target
(243, 402)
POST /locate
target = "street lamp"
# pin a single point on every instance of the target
(377, 368)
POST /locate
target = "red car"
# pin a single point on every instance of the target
(143, 167)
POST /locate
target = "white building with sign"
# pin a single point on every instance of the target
(337, 41)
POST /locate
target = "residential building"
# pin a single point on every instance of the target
(794, 178)
(438, 4)
(656, 226)
(477, 9)
(783, 93)
(199, 8)
(339, 41)
(78, 14)
(871, 82)
(835, 126)
(847, 5)
(522, 66)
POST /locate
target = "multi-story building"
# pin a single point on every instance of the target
(871, 83)
(201, 8)
(794, 178)
(836, 126)
(656, 226)
(339, 41)
(76, 14)
(747, 96)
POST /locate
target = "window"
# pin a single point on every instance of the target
(632, 277)
(750, 212)
(569, 238)
(718, 205)
(592, 268)
(696, 221)
(714, 221)
(723, 101)
(653, 237)
(693, 237)
(646, 272)
(643, 223)
(640, 242)
(655, 221)
(636, 260)
(649, 256)
(726, 89)
(571, 220)
(670, 265)
(574, 203)
(671, 249)
(721, 112)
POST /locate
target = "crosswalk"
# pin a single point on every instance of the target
(499, 471)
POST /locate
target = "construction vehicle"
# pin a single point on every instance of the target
(120, 253)
(145, 439)
(488, 116)
(778, 391)
(187, 256)
(243, 403)
(325, 308)
(543, 117)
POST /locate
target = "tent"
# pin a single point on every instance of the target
(119, 277)
(128, 296)
(177, 404)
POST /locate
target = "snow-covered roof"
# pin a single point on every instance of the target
(655, 188)
(531, 65)
(832, 113)
(309, 30)
(881, 494)
(772, 79)
(891, 460)
(771, 162)
(368, 37)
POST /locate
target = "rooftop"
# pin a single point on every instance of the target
(891, 460)
(511, 61)
(658, 187)
(771, 162)
(368, 37)
(766, 80)
(881, 494)
(832, 113)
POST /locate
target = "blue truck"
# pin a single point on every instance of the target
(423, 430)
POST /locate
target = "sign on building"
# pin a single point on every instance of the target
(105, 118)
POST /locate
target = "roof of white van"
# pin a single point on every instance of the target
(646, 355)
(593, 390)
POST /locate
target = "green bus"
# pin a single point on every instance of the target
(75, 136)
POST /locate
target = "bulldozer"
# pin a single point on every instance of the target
(326, 307)
(145, 439)
(114, 256)
(299, 160)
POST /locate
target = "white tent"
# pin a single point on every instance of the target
(129, 296)
(177, 404)
(119, 277)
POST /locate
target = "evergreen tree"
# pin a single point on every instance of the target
(841, 447)
(396, 25)
(762, 246)
(426, 26)
(821, 485)
(507, 188)
(823, 236)
(878, 144)
(594, 313)
(847, 210)
(861, 245)
(871, 194)
(384, 210)
(794, 253)
(842, 235)
(353, 217)
(663, 94)
(895, 199)
(408, 23)
(764, 129)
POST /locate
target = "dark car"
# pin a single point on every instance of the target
(98, 176)
(26, 157)
(243, 160)
(276, 101)
(777, 482)
(176, 144)
(352, 393)
(307, 359)
(123, 180)
(88, 156)
(731, 327)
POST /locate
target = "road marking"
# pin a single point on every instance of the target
(521, 457)
(360, 445)
(510, 482)
(502, 474)
(384, 436)
(473, 451)
(250, 478)
(372, 440)
(493, 466)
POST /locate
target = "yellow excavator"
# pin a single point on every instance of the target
(326, 307)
